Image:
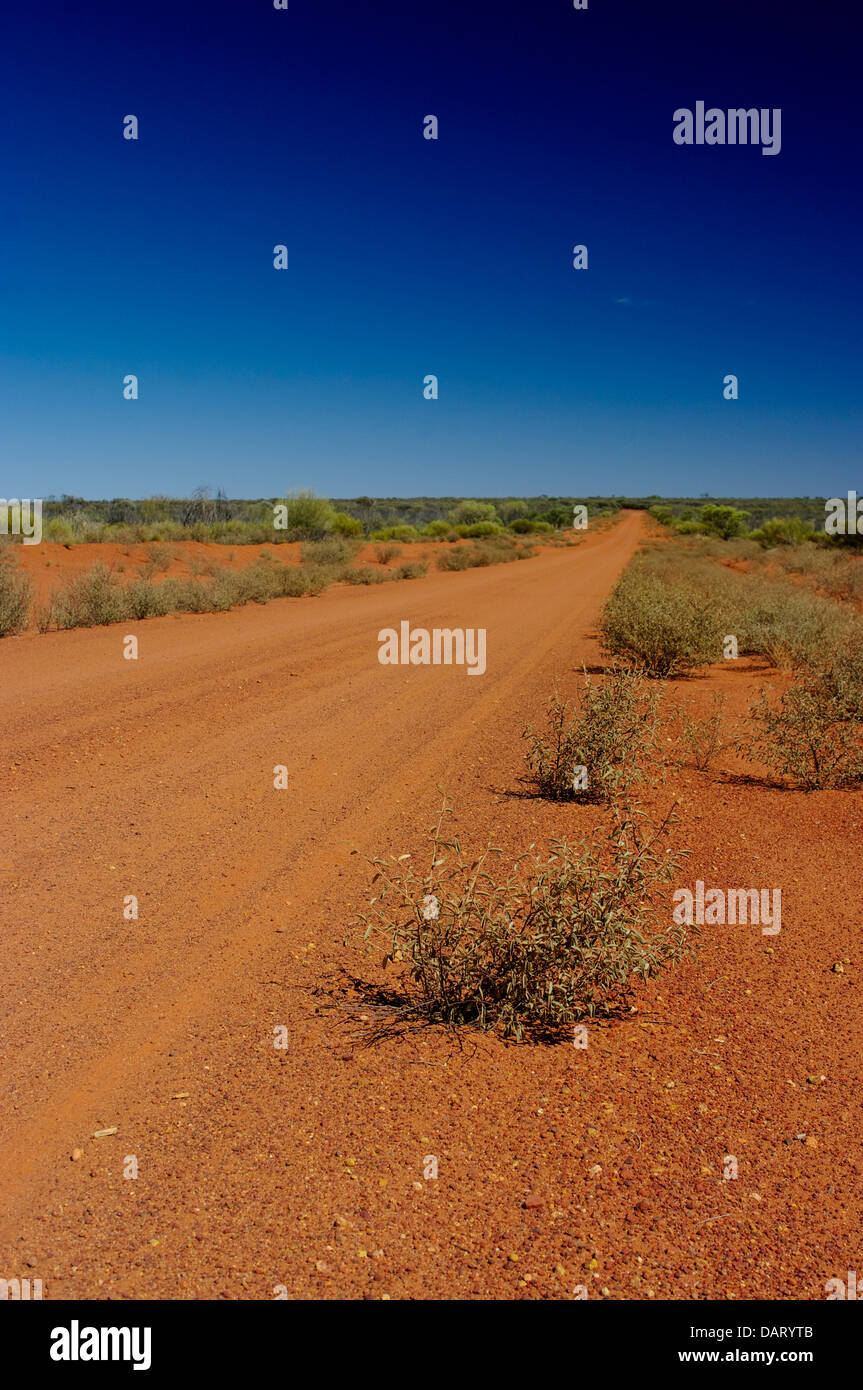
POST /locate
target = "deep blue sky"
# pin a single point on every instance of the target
(410, 257)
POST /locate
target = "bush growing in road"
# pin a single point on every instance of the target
(539, 946)
(611, 733)
(489, 551)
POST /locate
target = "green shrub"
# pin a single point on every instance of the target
(345, 525)
(838, 679)
(308, 515)
(721, 521)
(255, 583)
(512, 509)
(190, 595)
(59, 530)
(415, 570)
(500, 541)
(478, 529)
(547, 943)
(469, 512)
(396, 533)
(611, 733)
(783, 530)
(479, 554)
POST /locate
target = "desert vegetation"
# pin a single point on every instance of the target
(15, 595)
(611, 732)
(491, 550)
(531, 946)
(301, 515)
(534, 946)
(97, 597)
(670, 613)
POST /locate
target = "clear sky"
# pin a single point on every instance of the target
(409, 256)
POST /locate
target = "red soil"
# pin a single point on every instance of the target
(257, 1168)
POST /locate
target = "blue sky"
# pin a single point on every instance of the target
(409, 257)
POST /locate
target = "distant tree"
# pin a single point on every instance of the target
(199, 507)
(511, 508)
(343, 524)
(783, 530)
(663, 515)
(156, 508)
(724, 522)
(120, 511)
(557, 516)
(468, 512)
(309, 516)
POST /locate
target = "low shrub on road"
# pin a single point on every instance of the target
(611, 733)
(535, 947)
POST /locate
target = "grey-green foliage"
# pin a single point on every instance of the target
(536, 947)
(611, 732)
(16, 593)
(661, 626)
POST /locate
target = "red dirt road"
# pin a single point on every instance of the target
(304, 1167)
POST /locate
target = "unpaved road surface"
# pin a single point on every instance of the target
(304, 1167)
